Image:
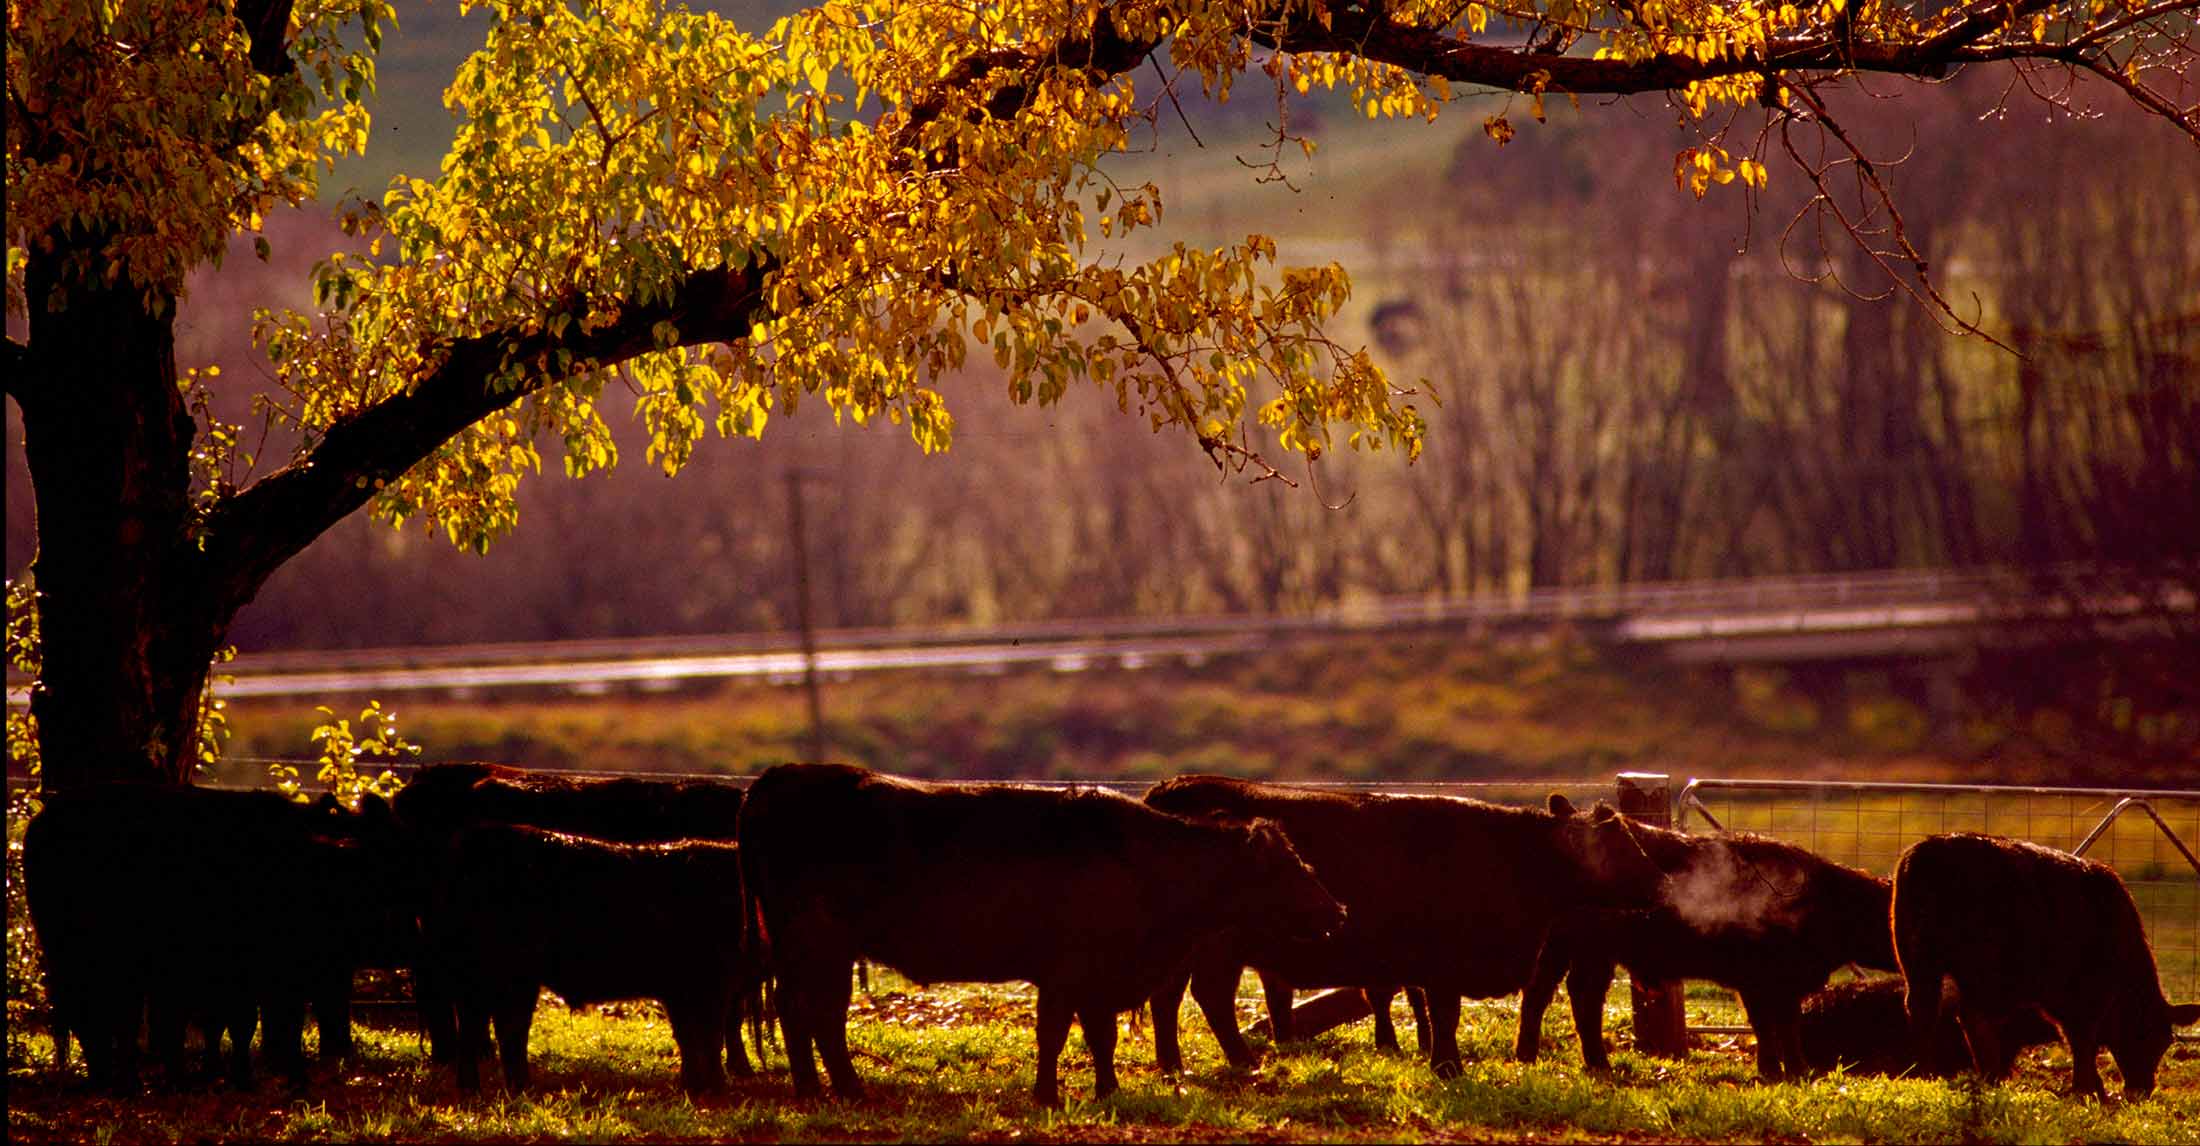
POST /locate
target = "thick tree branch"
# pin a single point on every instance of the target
(1371, 35)
(1101, 50)
(266, 27)
(270, 521)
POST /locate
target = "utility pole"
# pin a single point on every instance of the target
(795, 476)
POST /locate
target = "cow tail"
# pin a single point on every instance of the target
(760, 999)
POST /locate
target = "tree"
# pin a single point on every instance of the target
(728, 226)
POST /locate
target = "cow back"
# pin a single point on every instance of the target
(593, 920)
(444, 798)
(982, 881)
(2016, 922)
(1439, 890)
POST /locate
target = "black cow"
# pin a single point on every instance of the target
(2018, 925)
(1860, 1026)
(184, 903)
(519, 908)
(443, 799)
(1767, 918)
(1090, 895)
(1445, 893)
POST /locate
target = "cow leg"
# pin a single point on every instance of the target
(795, 1030)
(332, 1017)
(2085, 1047)
(1778, 1023)
(1417, 1000)
(1168, 1003)
(282, 1036)
(737, 1056)
(1099, 1024)
(111, 1040)
(438, 1015)
(1279, 1006)
(697, 1027)
(164, 1022)
(1921, 995)
(1791, 1041)
(1535, 998)
(240, 1020)
(211, 1026)
(1215, 990)
(1763, 1024)
(471, 1042)
(1983, 1035)
(514, 1015)
(829, 1027)
(1054, 1017)
(1386, 1031)
(1443, 1015)
(1588, 983)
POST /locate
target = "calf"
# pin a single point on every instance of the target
(519, 908)
(1762, 916)
(1091, 896)
(445, 799)
(2018, 925)
(1445, 893)
(187, 903)
(1860, 1026)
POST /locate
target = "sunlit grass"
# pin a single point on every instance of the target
(956, 1063)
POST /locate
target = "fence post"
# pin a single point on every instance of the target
(1661, 1020)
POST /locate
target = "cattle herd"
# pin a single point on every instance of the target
(162, 909)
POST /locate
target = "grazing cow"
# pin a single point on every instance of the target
(2018, 925)
(1091, 896)
(176, 903)
(1860, 1026)
(517, 909)
(1444, 893)
(443, 799)
(1767, 918)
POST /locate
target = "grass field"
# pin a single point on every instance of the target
(956, 1063)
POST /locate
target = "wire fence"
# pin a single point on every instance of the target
(2148, 836)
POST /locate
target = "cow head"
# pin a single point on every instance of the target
(1283, 897)
(1611, 866)
(2138, 1035)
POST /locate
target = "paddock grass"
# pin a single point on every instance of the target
(956, 1063)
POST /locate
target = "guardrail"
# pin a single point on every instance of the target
(1937, 605)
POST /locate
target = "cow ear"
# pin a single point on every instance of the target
(2184, 1014)
(1561, 806)
(1603, 813)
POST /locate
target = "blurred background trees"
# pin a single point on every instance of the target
(1624, 397)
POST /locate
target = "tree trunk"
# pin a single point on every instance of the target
(107, 439)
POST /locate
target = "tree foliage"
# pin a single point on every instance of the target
(726, 225)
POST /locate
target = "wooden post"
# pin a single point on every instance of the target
(1661, 1020)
